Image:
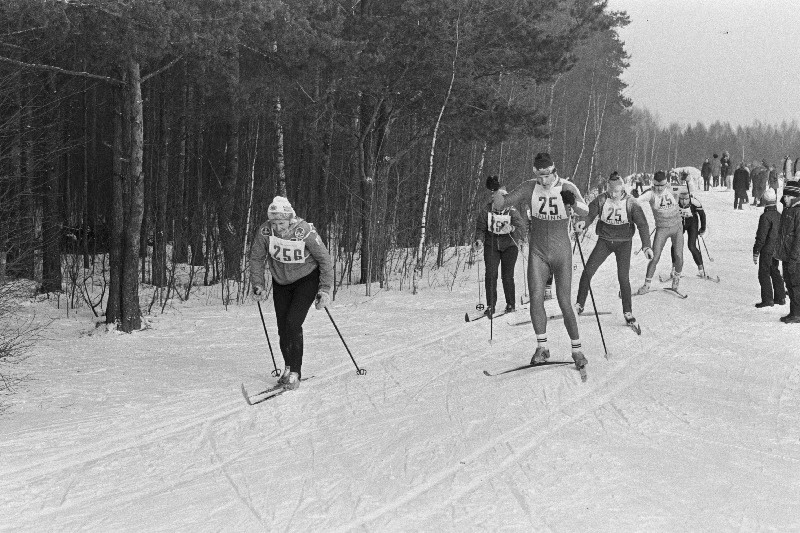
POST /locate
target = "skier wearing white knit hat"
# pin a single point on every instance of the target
(302, 274)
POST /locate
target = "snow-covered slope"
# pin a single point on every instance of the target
(693, 426)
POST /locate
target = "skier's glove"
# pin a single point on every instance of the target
(579, 225)
(258, 290)
(701, 233)
(568, 197)
(648, 253)
(323, 299)
(755, 259)
(477, 245)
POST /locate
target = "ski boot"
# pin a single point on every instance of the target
(293, 382)
(541, 355)
(644, 289)
(629, 318)
(489, 311)
(548, 293)
(676, 281)
(510, 308)
(580, 364)
(701, 271)
(578, 308)
(284, 379)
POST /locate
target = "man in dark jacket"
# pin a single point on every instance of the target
(769, 274)
(500, 233)
(725, 168)
(705, 172)
(787, 248)
(741, 183)
(759, 177)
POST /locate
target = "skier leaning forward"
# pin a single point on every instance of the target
(302, 274)
(550, 199)
(618, 216)
(669, 225)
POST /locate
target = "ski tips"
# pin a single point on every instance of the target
(246, 397)
(466, 317)
(486, 373)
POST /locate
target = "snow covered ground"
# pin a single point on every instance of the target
(694, 426)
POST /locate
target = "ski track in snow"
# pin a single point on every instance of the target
(691, 426)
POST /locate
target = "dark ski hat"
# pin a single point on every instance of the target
(792, 188)
(614, 176)
(492, 183)
(659, 176)
(542, 161)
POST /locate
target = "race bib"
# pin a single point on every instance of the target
(547, 204)
(665, 202)
(500, 224)
(615, 213)
(686, 212)
(285, 251)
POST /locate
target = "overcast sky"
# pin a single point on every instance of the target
(704, 60)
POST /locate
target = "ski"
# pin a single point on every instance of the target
(560, 316)
(641, 293)
(468, 318)
(523, 367)
(635, 327)
(675, 292)
(664, 279)
(271, 392)
(584, 375)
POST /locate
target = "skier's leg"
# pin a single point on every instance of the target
(659, 240)
(693, 249)
(491, 258)
(538, 271)
(508, 259)
(598, 256)
(622, 253)
(282, 299)
(677, 247)
(562, 277)
(304, 294)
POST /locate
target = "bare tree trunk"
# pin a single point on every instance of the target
(585, 129)
(600, 114)
(421, 244)
(280, 165)
(243, 267)
(161, 195)
(131, 314)
(51, 232)
(117, 219)
(179, 250)
(226, 199)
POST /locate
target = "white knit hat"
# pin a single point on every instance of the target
(280, 209)
(769, 196)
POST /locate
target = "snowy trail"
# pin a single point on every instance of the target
(693, 425)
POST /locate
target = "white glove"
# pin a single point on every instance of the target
(258, 290)
(648, 253)
(579, 225)
(323, 299)
(477, 245)
(755, 259)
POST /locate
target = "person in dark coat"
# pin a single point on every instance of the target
(769, 274)
(787, 248)
(741, 184)
(705, 172)
(716, 169)
(500, 233)
(759, 177)
(725, 167)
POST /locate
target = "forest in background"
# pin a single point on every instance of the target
(156, 133)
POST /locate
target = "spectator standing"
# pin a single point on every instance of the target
(769, 274)
(705, 172)
(741, 184)
(716, 169)
(787, 248)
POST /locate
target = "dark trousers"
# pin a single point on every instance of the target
(739, 199)
(769, 277)
(716, 181)
(506, 261)
(706, 183)
(601, 251)
(691, 240)
(791, 276)
(292, 303)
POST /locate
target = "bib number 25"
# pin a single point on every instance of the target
(550, 203)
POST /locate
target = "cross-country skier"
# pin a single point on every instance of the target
(664, 204)
(500, 234)
(618, 216)
(302, 274)
(551, 199)
(694, 224)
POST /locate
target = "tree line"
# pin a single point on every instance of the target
(155, 133)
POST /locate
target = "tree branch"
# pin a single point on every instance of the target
(162, 69)
(52, 68)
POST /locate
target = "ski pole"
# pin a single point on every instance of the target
(275, 372)
(359, 371)
(596, 316)
(706, 247)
